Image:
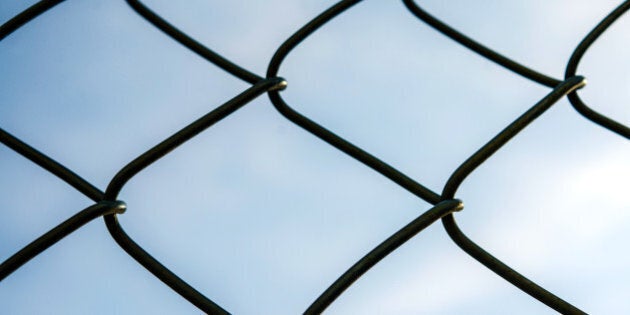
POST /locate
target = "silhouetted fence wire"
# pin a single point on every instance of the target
(445, 204)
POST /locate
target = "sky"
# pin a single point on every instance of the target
(261, 216)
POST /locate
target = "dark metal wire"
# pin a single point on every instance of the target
(575, 100)
(152, 155)
(192, 44)
(385, 248)
(56, 234)
(26, 16)
(51, 166)
(471, 164)
(321, 132)
(479, 48)
(508, 133)
(445, 204)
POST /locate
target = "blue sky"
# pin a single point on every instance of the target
(261, 216)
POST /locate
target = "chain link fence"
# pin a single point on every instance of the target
(445, 204)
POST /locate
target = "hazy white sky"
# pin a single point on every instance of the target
(261, 216)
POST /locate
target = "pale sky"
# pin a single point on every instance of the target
(261, 216)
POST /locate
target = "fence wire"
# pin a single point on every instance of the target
(107, 205)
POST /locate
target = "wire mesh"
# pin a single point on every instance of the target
(445, 204)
